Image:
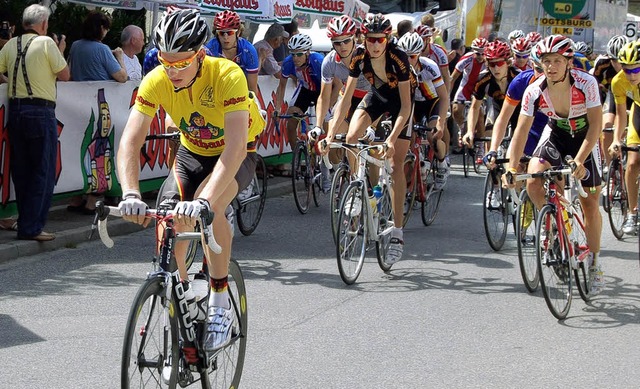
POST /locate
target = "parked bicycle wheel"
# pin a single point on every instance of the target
(300, 177)
(250, 209)
(149, 353)
(224, 367)
(430, 207)
(411, 175)
(525, 238)
(494, 211)
(553, 264)
(352, 233)
(338, 186)
(385, 226)
(616, 201)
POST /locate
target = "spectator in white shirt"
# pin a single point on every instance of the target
(273, 38)
(132, 41)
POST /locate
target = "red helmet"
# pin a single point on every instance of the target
(479, 44)
(534, 37)
(424, 31)
(341, 25)
(226, 20)
(557, 44)
(521, 46)
(497, 49)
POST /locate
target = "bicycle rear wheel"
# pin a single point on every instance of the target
(385, 226)
(525, 238)
(225, 365)
(250, 209)
(616, 200)
(431, 205)
(411, 175)
(352, 233)
(553, 263)
(338, 186)
(494, 211)
(300, 177)
(151, 340)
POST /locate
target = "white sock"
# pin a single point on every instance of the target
(220, 299)
(396, 233)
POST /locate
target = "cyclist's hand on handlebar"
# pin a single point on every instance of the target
(579, 171)
(509, 179)
(489, 159)
(390, 149)
(370, 134)
(614, 148)
(467, 139)
(315, 133)
(134, 210)
(188, 212)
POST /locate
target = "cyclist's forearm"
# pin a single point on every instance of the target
(519, 140)
(594, 116)
(323, 103)
(620, 122)
(128, 156)
(500, 126)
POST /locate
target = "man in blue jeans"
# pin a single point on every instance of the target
(33, 62)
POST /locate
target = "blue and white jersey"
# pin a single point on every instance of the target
(309, 77)
(246, 57)
(514, 95)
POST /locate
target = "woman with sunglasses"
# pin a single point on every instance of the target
(227, 42)
(521, 48)
(431, 100)
(209, 100)
(570, 99)
(303, 66)
(492, 83)
(627, 84)
(387, 69)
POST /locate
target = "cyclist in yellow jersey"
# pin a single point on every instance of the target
(209, 101)
(626, 84)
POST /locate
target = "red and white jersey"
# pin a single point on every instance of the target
(438, 55)
(470, 69)
(429, 78)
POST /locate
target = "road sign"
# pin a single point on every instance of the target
(563, 9)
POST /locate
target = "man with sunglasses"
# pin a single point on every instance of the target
(627, 84)
(570, 99)
(304, 67)
(387, 69)
(521, 48)
(227, 42)
(209, 100)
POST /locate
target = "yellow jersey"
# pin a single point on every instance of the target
(221, 87)
(622, 88)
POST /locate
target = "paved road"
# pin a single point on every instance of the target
(453, 313)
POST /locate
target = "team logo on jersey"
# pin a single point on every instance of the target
(199, 128)
(206, 97)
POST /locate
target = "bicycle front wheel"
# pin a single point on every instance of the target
(224, 366)
(301, 177)
(467, 160)
(525, 238)
(338, 186)
(578, 238)
(553, 263)
(352, 233)
(385, 227)
(150, 353)
(250, 209)
(431, 205)
(411, 174)
(494, 211)
(616, 199)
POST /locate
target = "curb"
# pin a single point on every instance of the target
(72, 237)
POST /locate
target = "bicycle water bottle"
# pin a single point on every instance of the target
(200, 287)
(377, 194)
(567, 222)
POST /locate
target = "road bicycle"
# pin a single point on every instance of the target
(163, 344)
(420, 169)
(363, 218)
(633, 149)
(616, 200)
(339, 183)
(248, 205)
(306, 174)
(472, 157)
(561, 246)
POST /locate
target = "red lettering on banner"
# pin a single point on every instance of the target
(271, 137)
(322, 5)
(233, 4)
(282, 10)
(234, 100)
(5, 175)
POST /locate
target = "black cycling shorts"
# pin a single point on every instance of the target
(375, 108)
(303, 98)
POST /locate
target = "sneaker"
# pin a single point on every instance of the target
(629, 226)
(596, 276)
(353, 206)
(493, 198)
(394, 253)
(246, 193)
(218, 328)
(441, 175)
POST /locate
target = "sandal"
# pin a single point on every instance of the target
(8, 225)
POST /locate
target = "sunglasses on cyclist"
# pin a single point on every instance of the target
(299, 54)
(227, 32)
(178, 65)
(631, 71)
(496, 64)
(522, 56)
(343, 42)
(372, 40)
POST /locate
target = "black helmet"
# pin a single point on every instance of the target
(376, 24)
(181, 31)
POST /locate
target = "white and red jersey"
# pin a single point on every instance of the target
(429, 78)
(437, 54)
(584, 95)
(470, 68)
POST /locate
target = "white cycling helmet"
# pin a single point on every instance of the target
(515, 34)
(411, 43)
(181, 31)
(300, 42)
(615, 44)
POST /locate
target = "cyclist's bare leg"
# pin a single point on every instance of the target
(439, 144)
(292, 127)
(535, 187)
(631, 178)
(359, 122)
(592, 219)
(399, 184)
(457, 109)
(336, 155)
(607, 136)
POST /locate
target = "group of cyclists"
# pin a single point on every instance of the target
(539, 86)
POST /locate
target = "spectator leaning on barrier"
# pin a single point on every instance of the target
(132, 43)
(283, 51)
(33, 62)
(273, 39)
